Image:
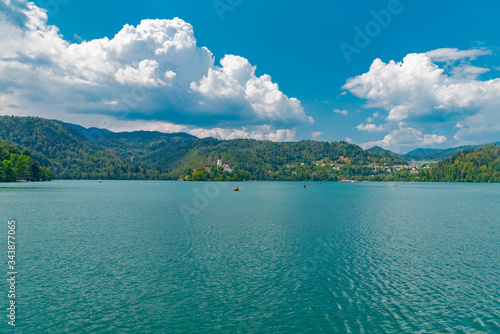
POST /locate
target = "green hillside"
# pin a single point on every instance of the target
(471, 165)
(153, 150)
(15, 165)
(178, 155)
(304, 160)
(74, 152)
(66, 151)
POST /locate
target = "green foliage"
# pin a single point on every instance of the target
(470, 165)
(65, 151)
(216, 174)
(154, 155)
(71, 153)
(274, 161)
(7, 173)
(16, 166)
(153, 150)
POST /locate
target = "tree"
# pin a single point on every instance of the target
(10, 175)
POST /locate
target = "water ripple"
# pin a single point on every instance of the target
(123, 257)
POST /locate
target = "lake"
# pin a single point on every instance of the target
(185, 257)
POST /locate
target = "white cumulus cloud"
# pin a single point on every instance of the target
(419, 92)
(263, 132)
(154, 71)
(406, 136)
(235, 83)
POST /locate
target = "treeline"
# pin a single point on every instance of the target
(470, 165)
(290, 161)
(20, 166)
(65, 151)
(295, 172)
(215, 174)
(71, 153)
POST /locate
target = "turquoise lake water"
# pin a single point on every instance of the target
(182, 257)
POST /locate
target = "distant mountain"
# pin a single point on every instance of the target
(156, 150)
(380, 150)
(150, 135)
(469, 165)
(426, 154)
(67, 152)
(420, 154)
(179, 155)
(97, 133)
(266, 160)
(73, 151)
(151, 149)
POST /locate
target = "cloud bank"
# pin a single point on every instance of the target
(417, 94)
(153, 72)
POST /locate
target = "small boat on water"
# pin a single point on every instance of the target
(394, 185)
(304, 186)
(99, 181)
(236, 189)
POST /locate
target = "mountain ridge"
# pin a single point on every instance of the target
(419, 154)
(428, 154)
(105, 133)
(73, 151)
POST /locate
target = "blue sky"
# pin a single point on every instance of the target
(437, 99)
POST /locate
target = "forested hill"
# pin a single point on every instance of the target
(15, 165)
(427, 154)
(470, 165)
(74, 152)
(66, 151)
(304, 160)
(436, 154)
